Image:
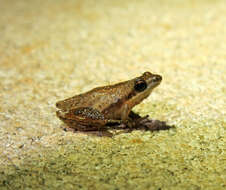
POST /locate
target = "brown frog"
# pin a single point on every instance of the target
(107, 106)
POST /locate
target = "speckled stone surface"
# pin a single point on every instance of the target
(51, 50)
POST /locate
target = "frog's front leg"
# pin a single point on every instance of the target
(147, 123)
(85, 119)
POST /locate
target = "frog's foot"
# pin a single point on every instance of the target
(152, 125)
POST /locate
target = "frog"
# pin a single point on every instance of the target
(111, 106)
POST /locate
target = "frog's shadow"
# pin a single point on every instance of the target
(114, 130)
(143, 128)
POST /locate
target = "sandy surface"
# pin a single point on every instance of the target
(51, 50)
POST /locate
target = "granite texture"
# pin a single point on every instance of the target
(51, 50)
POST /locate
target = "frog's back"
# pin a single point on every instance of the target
(100, 98)
(68, 103)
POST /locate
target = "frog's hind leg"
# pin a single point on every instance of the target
(84, 130)
(84, 119)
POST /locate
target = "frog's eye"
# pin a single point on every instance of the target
(140, 85)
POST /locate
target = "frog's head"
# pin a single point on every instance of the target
(146, 82)
(143, 86)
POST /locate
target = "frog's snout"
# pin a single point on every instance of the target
(58, 105)
(60, 114)
(157, 78)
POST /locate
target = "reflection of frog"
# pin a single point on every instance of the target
(109, 105)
